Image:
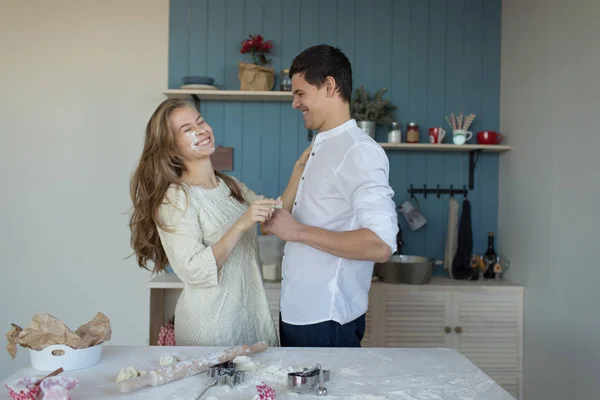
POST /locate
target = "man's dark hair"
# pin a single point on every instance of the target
(318, 62)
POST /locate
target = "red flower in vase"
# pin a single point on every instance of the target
(258, 47)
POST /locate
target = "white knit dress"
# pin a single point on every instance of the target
(228, 308)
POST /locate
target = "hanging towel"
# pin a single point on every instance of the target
(461, 268)
(452, 234)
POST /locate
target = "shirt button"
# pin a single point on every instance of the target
(313, 154)
(302, 178)
(295, 203)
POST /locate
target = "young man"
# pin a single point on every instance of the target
(343, 219)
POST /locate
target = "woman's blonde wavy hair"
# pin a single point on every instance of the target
(160, 166)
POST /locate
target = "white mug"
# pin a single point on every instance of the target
(461, 136)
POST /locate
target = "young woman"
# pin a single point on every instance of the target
(201, 223)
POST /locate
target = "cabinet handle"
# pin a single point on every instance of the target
(447, 329)
(458, 329)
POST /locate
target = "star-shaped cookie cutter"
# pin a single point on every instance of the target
(226, 374)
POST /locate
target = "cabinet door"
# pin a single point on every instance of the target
(488, 327)
(370, 337)
(417, 318)
(512, 382)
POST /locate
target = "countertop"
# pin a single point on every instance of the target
(367, 373)
(171, 281)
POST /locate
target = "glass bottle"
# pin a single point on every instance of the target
(285, 82)
(490, 258)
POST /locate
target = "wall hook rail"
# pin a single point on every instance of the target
(438, 191)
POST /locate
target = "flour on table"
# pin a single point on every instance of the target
(276, 373)
(350, 371)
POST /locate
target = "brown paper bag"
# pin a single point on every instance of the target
(255, 78)
(45, 330)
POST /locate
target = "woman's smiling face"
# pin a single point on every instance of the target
(193, 135)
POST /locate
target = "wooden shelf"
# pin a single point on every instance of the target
(165, 281)
(171, 281)
(229, 95)
(445, 147)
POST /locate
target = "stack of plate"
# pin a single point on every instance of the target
(199, 87)
(198, 83)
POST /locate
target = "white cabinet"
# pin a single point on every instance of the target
(510, 381)
(412, 318)
(483, 320)
(490, 328)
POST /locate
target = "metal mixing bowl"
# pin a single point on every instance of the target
(412, 270)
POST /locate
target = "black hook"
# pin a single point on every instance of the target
(438, 191)
(424, 191)
(412, 193)
(451, 191)
(465, 191)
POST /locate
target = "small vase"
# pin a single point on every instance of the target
(255, 78)
(368, 127)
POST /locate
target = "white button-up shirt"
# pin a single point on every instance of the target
(344, 187)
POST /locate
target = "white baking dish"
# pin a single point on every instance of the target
(51, 358)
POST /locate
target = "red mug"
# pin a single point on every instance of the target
(436, 135)
(489, 137)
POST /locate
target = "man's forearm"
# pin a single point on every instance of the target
(360, 244)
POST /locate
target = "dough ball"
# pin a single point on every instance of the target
(127, 373)
(244, 363)
(167, 360)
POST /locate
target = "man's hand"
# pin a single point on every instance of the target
(284, 226)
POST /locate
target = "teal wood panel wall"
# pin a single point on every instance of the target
(433, 56)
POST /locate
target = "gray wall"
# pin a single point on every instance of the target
(79, 81)
(549, 189)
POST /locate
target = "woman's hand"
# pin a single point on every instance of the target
(258, 212)
(304, 157)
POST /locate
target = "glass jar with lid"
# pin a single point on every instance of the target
(395, 135)
(412, 133)
(285, 82)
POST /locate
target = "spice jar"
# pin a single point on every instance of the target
(285, 82)
(412, 133)
(394, 135)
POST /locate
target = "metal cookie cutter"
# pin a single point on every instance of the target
(226, 374)
(308, 380)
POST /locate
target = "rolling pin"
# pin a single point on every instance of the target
(189, 367)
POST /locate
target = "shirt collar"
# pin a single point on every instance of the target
(351, 123)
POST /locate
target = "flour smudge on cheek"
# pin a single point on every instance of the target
(199, 140)
(193, 139)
